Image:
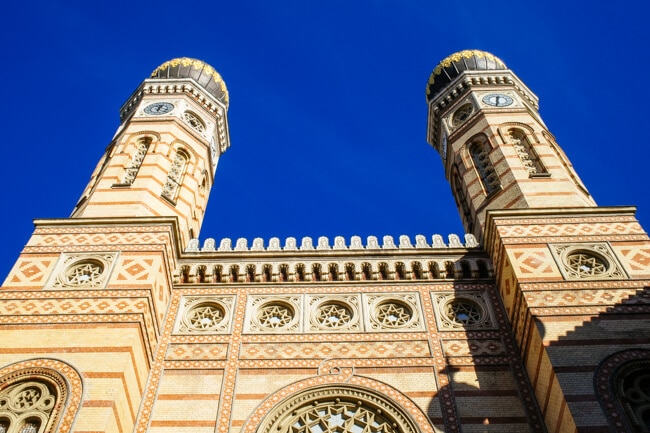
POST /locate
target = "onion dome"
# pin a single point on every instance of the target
(204, 74)
(454, 65)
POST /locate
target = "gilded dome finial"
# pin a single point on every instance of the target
(452, 66)
(201, 72)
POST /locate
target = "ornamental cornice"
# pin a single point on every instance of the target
(458, 88)
(186, 86)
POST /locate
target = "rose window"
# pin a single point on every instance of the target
(84, 273)
(206, 316)
(275, 315)
(586, 265)
(339, 417)
(462, 312)
(333, 315)
(393, 314)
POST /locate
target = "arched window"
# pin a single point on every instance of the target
(622, 384)
(136, 161)
(333, 272)
(175, 176)
(461, 200)
(466, 270)
(479, 150)
(416, 271)
(366, 271)
(250, 273)
(316, 272)
(400, 271)
(337, 409)
(526, 153)
(25, 407)
(283, 276)
(350, 272)
(299, 271)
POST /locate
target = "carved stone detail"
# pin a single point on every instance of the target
(394, 312)
(273, 314)
(469, 310)
(82, 270)
(205, 314)
(591, 261)
(334, 313)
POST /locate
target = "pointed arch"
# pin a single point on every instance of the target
(50, 393)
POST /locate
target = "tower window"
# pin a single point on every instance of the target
(479, 151)
(136, 161)
(462, 114)
(194, 121)
(526, 153)
(175, 176)
(25, 407)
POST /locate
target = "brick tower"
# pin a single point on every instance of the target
(573, 277)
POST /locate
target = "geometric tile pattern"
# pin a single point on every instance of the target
(559, 298)
(385, 349)
(196, 351)
(532, 228)
(108, 236)
(473, 347)
(30, 272)
(533, 262)
(636, 257)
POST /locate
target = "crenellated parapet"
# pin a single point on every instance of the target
(340, 262)
(323, 244)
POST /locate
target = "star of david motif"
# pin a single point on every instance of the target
(463, 313)
(331, 315)
(205, 316)
(274, 316)
(84, 273)
(393, 315)
(586, 265)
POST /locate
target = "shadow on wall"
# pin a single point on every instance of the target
(483, 386)
(591, 361)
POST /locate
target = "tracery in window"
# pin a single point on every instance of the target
(526, 153)
(275, 315)
(461, 200)
(84, 273)
(462, 114)
(463, 312)
(393, 314)
(480, 153)
(136, 161)
(333, 315)
(25, 407)
(586, 264)
(175, 176)
(194, 121)
(205, 316)
(338, 409)
(633, 391)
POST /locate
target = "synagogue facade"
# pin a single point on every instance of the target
(119, 319)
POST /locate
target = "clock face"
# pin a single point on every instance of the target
(158, 108)
(497, 100)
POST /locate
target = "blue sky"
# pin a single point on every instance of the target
(327, 113)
